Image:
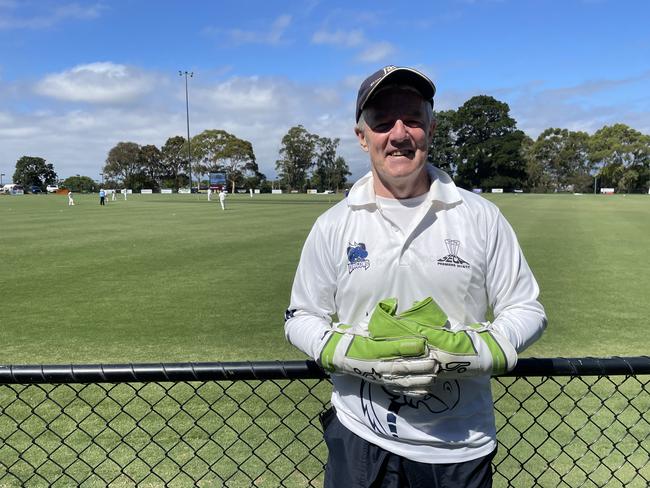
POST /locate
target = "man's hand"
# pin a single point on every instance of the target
(400, 362)
(475, 350)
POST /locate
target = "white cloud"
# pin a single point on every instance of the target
(55, 15)
(242, 94)
(379, 51)
(96, 83)
(272, 35)
(343, 38)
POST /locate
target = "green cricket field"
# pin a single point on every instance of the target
(169, 278)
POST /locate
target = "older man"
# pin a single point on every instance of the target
(411, 266)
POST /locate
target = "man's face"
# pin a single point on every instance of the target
(397, 136)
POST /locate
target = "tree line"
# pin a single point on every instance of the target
(478, 144)
(308, 161)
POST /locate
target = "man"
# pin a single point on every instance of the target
(222, 198)
(70, 199)
(411, 266)
(102, 196)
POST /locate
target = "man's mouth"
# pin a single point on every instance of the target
(404, 153)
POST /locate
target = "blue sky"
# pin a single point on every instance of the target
(76, 78)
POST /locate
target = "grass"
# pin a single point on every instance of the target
(174, 278)
(590, 257)
(155, 278)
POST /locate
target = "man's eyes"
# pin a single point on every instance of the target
(388, 125)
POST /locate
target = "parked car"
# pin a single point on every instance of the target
(35, 189)
(51, 188)
(13, 189)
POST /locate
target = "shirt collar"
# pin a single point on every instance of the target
(442, 189)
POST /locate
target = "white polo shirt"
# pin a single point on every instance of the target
(459, 250)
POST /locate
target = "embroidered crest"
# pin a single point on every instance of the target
(357, 256)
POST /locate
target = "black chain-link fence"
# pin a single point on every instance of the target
(562, 423)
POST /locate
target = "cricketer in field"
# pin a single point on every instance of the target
(410, 265)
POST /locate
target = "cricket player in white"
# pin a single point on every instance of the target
(222, 199)
(410, 265)
(70, 199)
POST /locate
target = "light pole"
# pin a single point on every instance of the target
(1, 175)
(102, 176)
(187, 111)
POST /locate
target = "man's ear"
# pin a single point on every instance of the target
(362, 138)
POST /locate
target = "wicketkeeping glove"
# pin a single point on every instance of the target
(400, 362)
(474, 350)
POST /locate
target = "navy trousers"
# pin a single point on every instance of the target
(355, 463)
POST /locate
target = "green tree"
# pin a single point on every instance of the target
(151, 166)
(123, 163)
(489, 145)
(254, 181)
(443, 152)
(536, 179)
(563, 157)
(218, 151)
(297, 156)
(34, 171)
(331, 171)
(340, 174)
(623, 156)
(507, 162)
(80, 184)
(173, 161)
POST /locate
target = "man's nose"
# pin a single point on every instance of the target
(398, 133)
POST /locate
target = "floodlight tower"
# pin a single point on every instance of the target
(187, 112)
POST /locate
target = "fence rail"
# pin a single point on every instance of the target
(561, 422)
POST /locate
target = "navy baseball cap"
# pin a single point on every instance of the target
(394, 75)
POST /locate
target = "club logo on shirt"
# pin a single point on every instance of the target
(452, 258)
(357, 256)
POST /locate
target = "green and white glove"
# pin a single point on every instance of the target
(474, 350)
(399, 362)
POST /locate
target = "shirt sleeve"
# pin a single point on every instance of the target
(309, 316)
(511, 288)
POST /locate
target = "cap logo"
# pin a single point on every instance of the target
(386, 70)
